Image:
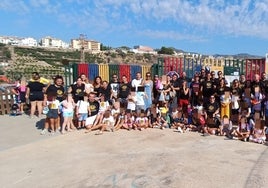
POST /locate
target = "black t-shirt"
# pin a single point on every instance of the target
(94, 108)
(124, 90)
(36, 91)
(177, 84)
(220, 90)
(35, 87)
(195, 87)
(97, 91)
(236, 91)
(106, 92)
(78, 92)
(211, 108)
(208, 88)
(58, 90)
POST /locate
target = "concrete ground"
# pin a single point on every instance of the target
(150, 158)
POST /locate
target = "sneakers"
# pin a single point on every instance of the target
(180, 130)
(43, 132)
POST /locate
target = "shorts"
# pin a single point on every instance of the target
(53, 113)
(82, 117)
(22, 97)
(139, 108)
(68, 114)
(37, 96)
(90, 120)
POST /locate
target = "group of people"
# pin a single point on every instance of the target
(204, 103)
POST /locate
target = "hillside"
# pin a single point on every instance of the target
(50, 61)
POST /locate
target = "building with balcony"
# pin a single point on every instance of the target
(88, 45)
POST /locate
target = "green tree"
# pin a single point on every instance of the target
(103, 48)
(165, 50)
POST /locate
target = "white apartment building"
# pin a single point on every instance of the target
(89, 45)
(17, 41)
(10, 40)
(53, 43)
(28, 42)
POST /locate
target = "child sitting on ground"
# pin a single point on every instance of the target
(104, 105)
(107, 123)
(120, 121)
(243, 130)
(226, 127)
(141, 121)
(160, 122)
(115, 110)
(177, 119)
(258, 133)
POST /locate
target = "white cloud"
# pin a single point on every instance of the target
(206, 17)
(20, 7)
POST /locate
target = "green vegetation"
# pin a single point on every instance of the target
(165, 50)
(50, 57)
(103, 48)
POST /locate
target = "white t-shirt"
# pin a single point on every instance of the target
(103, 106)
(89, 87)
(82, 106)
(141, 120)
(140, 98)
(131, 104)
(67, 106)
(135, 83)
(108, 121)
(53, 104)
(115, 111)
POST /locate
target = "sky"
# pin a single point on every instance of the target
(207, 27)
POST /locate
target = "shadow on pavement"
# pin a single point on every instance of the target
(40, 124)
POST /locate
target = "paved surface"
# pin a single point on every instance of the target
(151, 158)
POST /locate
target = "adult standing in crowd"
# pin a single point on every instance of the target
(175, 86)
(97, 85)
(106, 90)
(195, 91)
(114, 84)
(138, 81)
(148, 89)
(156, 88)
(124, 91)
(207, 88)
(56, 89)
(77, 90)
(35, 93)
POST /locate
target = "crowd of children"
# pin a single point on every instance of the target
(204, 104)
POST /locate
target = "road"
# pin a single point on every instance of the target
(150, 158)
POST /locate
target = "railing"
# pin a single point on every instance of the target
(6, 101)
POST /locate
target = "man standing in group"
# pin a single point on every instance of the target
(124, 91)
(114, 84)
